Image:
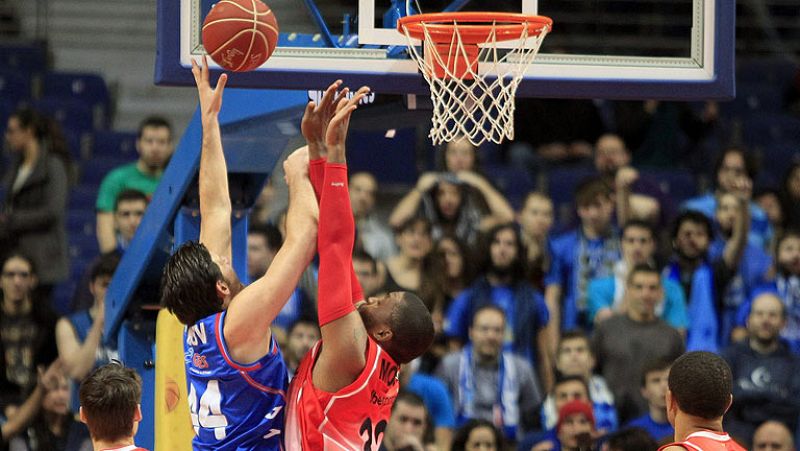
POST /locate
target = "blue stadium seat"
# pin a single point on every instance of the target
(764, 129)
(775, 71)
(753, 98)
(108, 143)
(71, 114)
(83, 197)
(93, 171)
(88, 88)
(14, 87)
(26, 59)
(81, 223)
(778, 156)
(561, 184)
(391, 160)
(514, 183)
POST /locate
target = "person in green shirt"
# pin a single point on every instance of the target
(155, 148)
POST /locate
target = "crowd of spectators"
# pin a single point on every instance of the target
(550, 335)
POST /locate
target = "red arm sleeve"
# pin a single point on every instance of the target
(335, 243)
(316, 172)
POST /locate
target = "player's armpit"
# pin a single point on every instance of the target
(343, 354)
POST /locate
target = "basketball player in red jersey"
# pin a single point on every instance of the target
(343, 391)
(699, 395)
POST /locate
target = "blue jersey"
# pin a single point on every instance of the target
(233, 406)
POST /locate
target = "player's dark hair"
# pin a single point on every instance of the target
(189, 284)
(639, 224)
(562, 379)
(155, 122)
(365, 257)
(461, 435)
(591, 189)
(109, 398)
(412, 329)
(129, 195)
(653, 365)
(631, 439)
(701, 382)
(574, 334)
(272, 236)
(105, 265)
(694, 217)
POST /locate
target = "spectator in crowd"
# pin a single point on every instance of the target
(487, 382)
(366, 269)
(33, 213)
(631, 439)
(790, 196)
(699, 394)
(110, 407)
(55, 427)
(536, 220)
(773, 436)
(128, 212)
(624, 342)
(27, 327)
(458, 155)
(734, 173)
(444, 199)
(654, 390)
(607, 294)
(12, 425)
(703, 280)
(574, 431)
(302, 335)
(405, 270)
(263, 242)
(588, 252)
(477, 435)
(437, 401)
(154, 145)
(459, 266)
(770, 201)
(754, 264)
(574, 359)
(612, 159)
(79, 336)
(503, 285)
(372, 234)
(408, 425)
(765, 381)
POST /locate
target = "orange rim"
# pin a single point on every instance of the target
(473, 27)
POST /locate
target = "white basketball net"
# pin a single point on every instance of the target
(482, 108)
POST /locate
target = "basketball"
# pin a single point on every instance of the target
(240, 35)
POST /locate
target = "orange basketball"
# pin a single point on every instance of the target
(240, 34)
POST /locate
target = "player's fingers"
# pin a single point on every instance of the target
(204, 72)
(341, 95)
(330, 93)
(195, 70)
(223, 80)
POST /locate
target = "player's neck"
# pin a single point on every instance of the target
(100, 445)
(686, 425)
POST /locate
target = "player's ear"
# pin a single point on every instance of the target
(81, 415)
(383, 334)
(730, 402)
(223, 290)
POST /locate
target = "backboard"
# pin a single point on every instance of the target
(613, 49)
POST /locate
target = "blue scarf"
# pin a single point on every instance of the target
(505, 413)
(704, 324)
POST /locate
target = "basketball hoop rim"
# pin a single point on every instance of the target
(442, 26)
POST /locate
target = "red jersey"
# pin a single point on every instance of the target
(707, 441)
(353, 418)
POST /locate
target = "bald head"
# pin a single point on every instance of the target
(767, 318)
(773, 436)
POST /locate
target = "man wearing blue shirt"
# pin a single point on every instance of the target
(654, 389)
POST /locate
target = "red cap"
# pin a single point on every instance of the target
(573, 407)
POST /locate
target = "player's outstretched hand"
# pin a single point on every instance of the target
(317, 116)
(336, 134)
(210, 99)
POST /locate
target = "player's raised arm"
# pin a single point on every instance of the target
(215, 202)
(343, 332)
(247, 325)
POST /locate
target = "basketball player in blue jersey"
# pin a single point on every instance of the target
(236, 376)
